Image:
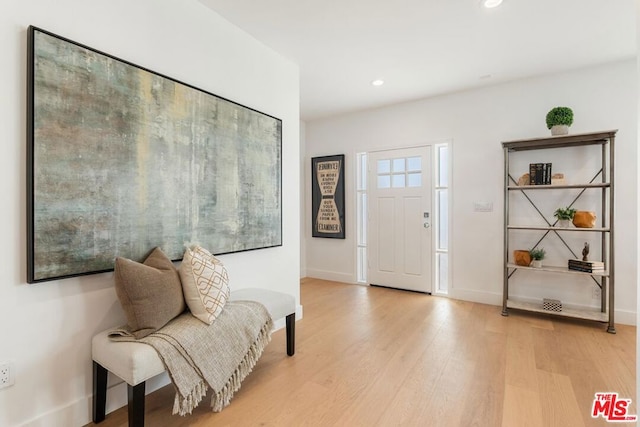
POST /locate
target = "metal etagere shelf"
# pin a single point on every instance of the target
(603, 182)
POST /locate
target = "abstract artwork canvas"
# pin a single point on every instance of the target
(122, 159)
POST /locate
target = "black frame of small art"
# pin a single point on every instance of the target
(327, 196)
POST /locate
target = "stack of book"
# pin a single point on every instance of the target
(586, 266)
(539, 173)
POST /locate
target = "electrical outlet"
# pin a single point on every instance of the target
(597, 292)
(6, 374)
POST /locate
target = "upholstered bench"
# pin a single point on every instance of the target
(135, 363)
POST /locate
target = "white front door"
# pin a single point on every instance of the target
(399, 218)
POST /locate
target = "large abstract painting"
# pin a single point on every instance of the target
(122, 159)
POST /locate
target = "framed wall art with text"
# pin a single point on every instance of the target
(327, 181)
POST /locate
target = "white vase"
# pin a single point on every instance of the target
(559, 130)
(536, 263)
(564, 223)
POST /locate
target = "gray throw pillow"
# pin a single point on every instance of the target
(150, 293)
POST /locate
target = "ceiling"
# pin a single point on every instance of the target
(425, 48)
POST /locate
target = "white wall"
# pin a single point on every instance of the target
(46, 328)
(476, 122)
(303, 211)
(638, 205)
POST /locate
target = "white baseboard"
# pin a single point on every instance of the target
(80, 412)
(625, 317)
(331, 275)
(77, 413)
(489, 298)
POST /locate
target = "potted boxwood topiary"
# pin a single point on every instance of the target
(537, 255)
(559, 119)
(564, 216)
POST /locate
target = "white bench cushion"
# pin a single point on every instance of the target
(133, 362)
(138, 362)
(278, 304)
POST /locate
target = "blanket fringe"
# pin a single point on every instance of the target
(221, 399)
(186, 405)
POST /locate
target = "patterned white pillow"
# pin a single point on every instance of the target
(205, 283)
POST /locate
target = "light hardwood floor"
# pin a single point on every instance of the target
(368, 356)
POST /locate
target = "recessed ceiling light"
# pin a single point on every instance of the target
(377, 82)
(491, 3)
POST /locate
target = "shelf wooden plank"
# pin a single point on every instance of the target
(564, 270)
(544, 228)
(571, 140)
(557, 186)
(598, 316)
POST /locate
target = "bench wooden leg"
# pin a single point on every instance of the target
(99, 392)
(135, 394)
(291, 334)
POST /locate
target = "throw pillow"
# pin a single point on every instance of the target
(150, 293)
(205, 284)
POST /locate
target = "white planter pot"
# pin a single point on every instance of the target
(564, 223)
(559, 130)
(536, 263)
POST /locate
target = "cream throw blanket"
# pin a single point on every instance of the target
(220, 356)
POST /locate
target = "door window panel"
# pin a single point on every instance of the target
(398, 181)
(398, 165)
(400, 172)
(384, 181)
(384, 166)
(414, 179)
(414, 164)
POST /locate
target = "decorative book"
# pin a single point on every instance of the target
(586, 266)
(540, 174)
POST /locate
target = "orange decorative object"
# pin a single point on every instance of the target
(584, 219)
(521, 257)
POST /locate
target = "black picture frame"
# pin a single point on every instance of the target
(327, 196)
(122, 159)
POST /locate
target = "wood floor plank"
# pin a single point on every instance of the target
(559, 405)
(484, 396)
(520, 361)
(368, 356)
(522, 407)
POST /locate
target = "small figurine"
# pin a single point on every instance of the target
(585, 252)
